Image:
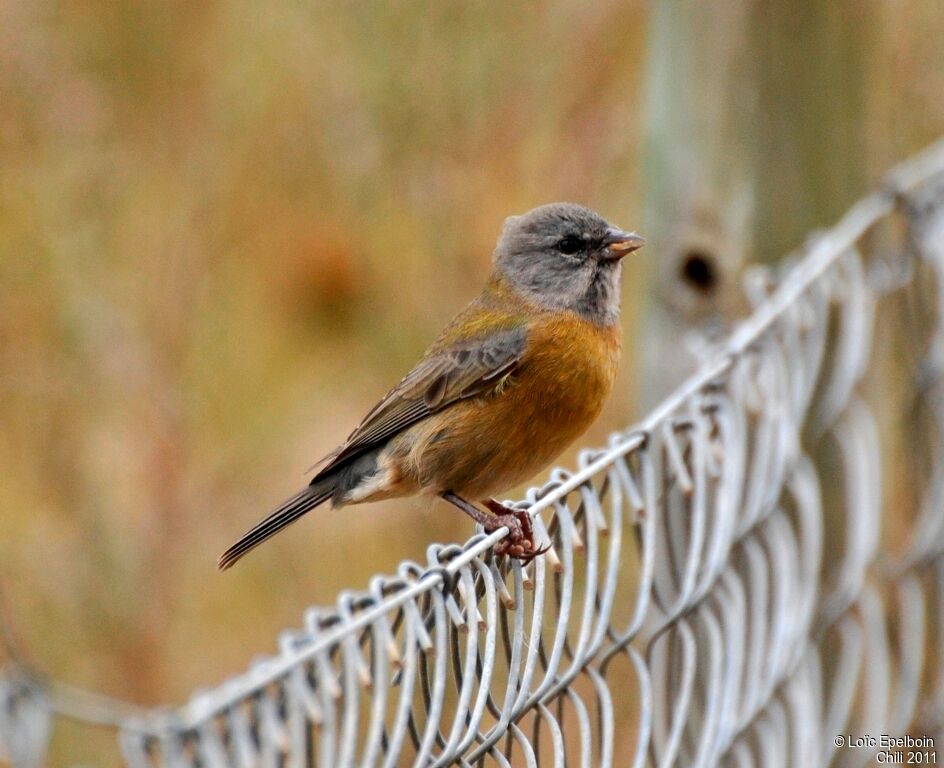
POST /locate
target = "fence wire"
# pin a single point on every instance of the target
(750, 574)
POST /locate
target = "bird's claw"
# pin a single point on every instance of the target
(519, 543)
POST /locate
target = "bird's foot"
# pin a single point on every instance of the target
(520, 542)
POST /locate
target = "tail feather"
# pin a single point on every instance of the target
(290, 510)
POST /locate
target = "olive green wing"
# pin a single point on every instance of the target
(469, 368)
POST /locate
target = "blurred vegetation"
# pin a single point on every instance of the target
(225, 229)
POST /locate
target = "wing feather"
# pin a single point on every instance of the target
(467, 369)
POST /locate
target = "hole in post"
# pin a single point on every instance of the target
(699, 269)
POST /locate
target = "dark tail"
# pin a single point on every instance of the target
(290, 510)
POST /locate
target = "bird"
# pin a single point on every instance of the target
(507, 386)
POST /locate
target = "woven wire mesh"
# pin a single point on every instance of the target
(755, 569)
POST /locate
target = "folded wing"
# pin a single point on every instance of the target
(468, 369)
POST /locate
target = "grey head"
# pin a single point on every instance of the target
(566, 257)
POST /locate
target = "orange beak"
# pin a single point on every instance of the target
(618, 243)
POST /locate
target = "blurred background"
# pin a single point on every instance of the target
(227, 227)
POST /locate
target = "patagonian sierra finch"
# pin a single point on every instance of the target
(513, 380)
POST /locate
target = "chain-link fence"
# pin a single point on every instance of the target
(752, 576)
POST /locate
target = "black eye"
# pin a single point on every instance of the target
(570, 245)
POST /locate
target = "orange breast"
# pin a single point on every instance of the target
(482, 447)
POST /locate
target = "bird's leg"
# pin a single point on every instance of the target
(520, 540)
